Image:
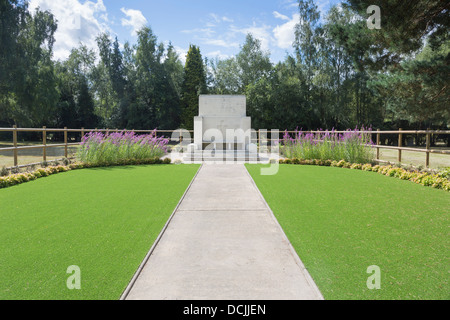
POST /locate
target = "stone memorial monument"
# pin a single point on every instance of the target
(222, 130)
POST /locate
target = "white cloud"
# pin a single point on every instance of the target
(208, 32)
(261, 33)
(182, 53)
(218, 19)
(217, 54)
(278, 15)
(215, 17)
(226, 19)
(323, 6)
(285, 33)
(77, 23)
(289, 4)
(221, 43)
(135, 19)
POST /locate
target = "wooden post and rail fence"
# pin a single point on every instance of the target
(44, 146)
(378, 145)
(66, 143)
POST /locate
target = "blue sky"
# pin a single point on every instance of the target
(217, 27)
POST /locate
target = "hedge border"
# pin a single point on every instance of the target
(437, 180)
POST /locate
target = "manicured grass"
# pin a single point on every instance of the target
(103, 220)
(341, 221)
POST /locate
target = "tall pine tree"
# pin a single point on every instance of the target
(194, 84)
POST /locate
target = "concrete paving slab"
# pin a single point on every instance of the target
(223, 243)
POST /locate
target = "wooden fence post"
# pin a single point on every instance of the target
(259, 140)
(16, 162)
(82, 133)
(400, 143)
(44, 142)
(378, 143)
(65, 142)
(427, 159)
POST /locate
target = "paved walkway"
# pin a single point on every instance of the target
(223, 243)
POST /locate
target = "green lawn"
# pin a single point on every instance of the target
(342, 221)
(103, 220)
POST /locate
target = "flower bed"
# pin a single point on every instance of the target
(118, 147)
(100, 150)
(352, 146)
(438, 180)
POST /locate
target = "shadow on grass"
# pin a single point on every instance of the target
(125, 167)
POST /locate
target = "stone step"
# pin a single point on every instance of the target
(221, 159)
(220, 152)
(222, 156)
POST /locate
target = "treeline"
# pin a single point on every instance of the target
(342, 74)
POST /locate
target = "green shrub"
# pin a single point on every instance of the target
(4, 172)
(445, 173)
(376, 168)
(61, 168)
(384, 169)
(53, 169)
(406, 175)
(394, 172)
(340, 164)
(356, 166)
(43, 172)
(22, 177)
(37, 174)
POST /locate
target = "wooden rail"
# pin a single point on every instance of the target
(44, 146)
(378, 144)
(259, 139)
